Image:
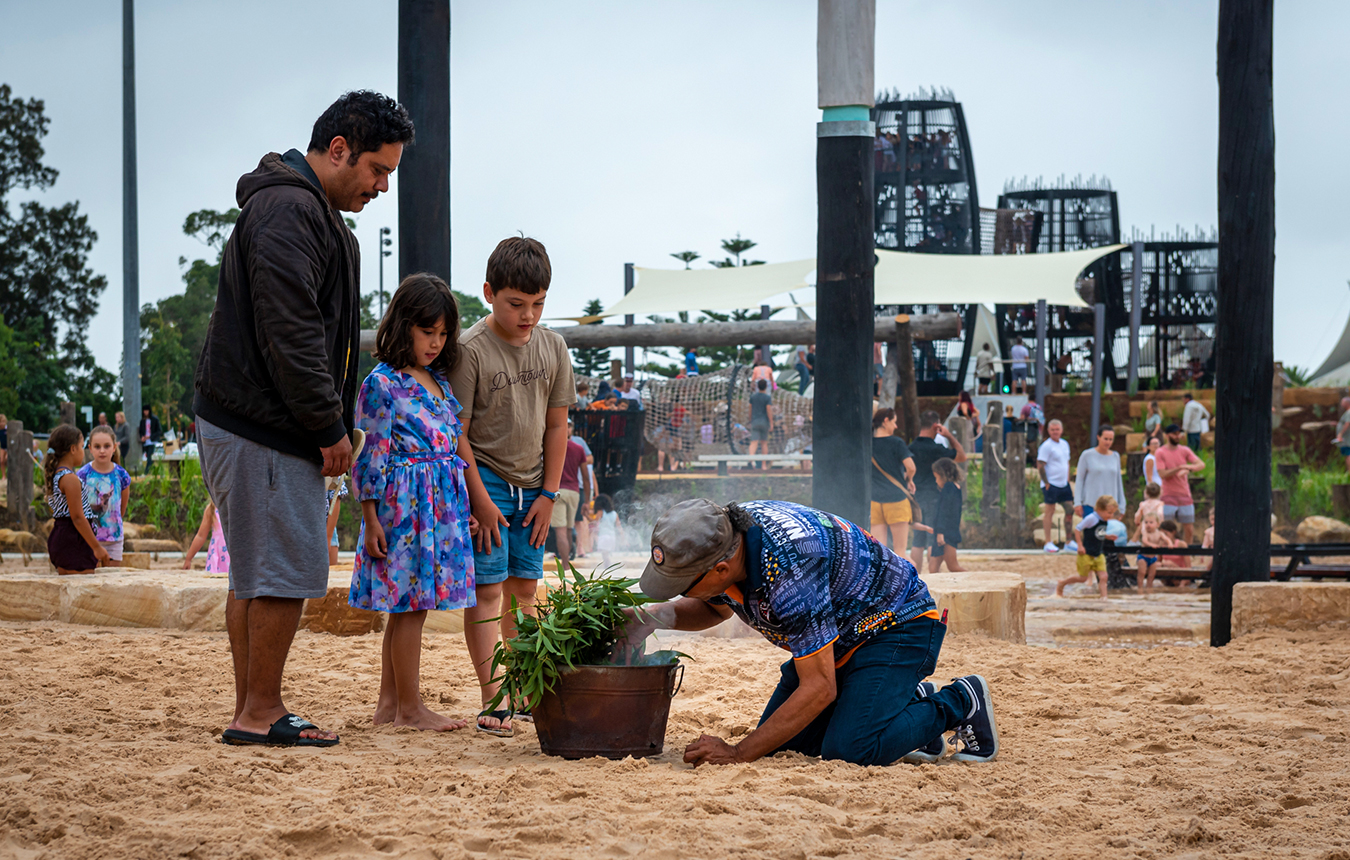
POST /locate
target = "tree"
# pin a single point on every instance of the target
(592, 361)
(48, 294)
(687, 257)
(163, 360)
(471, 309)
(736, 247)
(11, 372)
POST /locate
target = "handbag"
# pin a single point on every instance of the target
(915, 510)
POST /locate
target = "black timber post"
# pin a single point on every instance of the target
(628, 354)
(1244, 322)
(131, 289)
(845, 259)
(424, 172)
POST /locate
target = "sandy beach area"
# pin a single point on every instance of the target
(109, 743)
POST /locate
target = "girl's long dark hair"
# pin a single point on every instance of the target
(421, 300)
(59, 444)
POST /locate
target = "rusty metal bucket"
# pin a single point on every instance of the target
(610, 711)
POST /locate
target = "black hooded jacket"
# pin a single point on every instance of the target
(279, 363)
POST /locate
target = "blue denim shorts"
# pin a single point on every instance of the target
(515, 557)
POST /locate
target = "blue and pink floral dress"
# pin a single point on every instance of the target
(410, 467)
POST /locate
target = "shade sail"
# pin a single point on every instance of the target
(1334, 370)
(670, 290)
(901, 279)
(996, 279)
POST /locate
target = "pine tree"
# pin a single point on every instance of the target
(591, 361)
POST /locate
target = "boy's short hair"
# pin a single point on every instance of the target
(1153, 515)
(1153, 491)
(1170, 526)
(583, 386)
(928, 419)
(762, 385)
(519, 263)
(1105, 503)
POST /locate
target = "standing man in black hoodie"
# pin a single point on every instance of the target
(276, 385)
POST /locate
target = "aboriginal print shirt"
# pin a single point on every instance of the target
(816, 581)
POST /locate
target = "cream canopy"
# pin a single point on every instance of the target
(901, 279)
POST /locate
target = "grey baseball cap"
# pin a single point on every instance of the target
(687, 541)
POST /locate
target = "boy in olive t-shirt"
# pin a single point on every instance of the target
(514, 382)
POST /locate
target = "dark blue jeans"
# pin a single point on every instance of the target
(1193, 440)
(803, 377)
(877, 715)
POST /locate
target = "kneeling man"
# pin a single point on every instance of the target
(860, 625)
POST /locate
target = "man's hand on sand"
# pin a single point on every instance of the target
(709, 749)
(337, 459)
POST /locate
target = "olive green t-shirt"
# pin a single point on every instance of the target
(505, 392)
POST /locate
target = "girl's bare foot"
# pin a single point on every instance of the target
(428, 720)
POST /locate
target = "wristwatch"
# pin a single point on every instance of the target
(551, 496)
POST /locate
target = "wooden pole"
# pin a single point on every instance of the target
(1042, 320)
(991, 503)
(629, 361)
(1244, 323)
(841, 411)
(890, 375)
(1098, 351)
(1015, 507)
(909, 388)
(1136, 312)
(424, 171)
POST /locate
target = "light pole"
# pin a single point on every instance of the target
(385, 242)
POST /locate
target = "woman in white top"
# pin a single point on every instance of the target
(1151, 463)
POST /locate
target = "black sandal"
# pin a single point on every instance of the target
(285, 732)
(502, 731)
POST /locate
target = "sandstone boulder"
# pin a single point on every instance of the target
(1323, 530)
(1290, 606)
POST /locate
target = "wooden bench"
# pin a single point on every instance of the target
(776, 459)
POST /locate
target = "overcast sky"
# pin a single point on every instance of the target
(621, 132)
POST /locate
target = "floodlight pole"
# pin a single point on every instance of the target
(764, 312)
(1244, 322)
(424, 171)
(1136, 311)
(131, 288)
(845, 258)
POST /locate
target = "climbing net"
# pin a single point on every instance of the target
(710, 414)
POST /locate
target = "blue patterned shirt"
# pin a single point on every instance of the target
(814, 580)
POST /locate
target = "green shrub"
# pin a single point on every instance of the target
(173, 504)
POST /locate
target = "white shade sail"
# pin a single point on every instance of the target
(1336, 369)
(901, 279)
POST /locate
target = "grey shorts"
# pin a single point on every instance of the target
(273, 512)
(1180, 513)
(759, 432)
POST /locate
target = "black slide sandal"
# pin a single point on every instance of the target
(502, 731)
(285, 732)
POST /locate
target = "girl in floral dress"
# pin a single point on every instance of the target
(217, 554)
(415, 552)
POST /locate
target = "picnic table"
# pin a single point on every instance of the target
(779, 459)
(1299, 564)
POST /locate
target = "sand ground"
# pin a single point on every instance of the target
(108, 749)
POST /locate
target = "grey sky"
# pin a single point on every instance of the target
(620, 132)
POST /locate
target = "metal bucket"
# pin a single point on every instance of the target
(610, 711)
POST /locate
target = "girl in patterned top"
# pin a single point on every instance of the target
(415, 551)
(72, 546)
(106, 490)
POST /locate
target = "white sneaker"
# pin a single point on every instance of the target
(1050, 547)
(1071, 546)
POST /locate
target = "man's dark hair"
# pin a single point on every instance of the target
(366, 120)
(421, 300)
(928, 419)
(519, 263)
(762, 385)
(1188, 396)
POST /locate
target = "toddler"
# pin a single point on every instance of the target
(106, 489)
(1150, 536)
(1091, 533)
(1207, 541)
(1152, 504)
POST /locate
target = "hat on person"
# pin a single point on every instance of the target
(1172, 428)
(628, 376)
(687, 541)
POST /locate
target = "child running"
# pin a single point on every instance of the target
(1091, 533)
(217, 555)
(515, 382)
(72, 546)
(415, 551)
(107, 490)
(1150, 536)
(947, 522)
